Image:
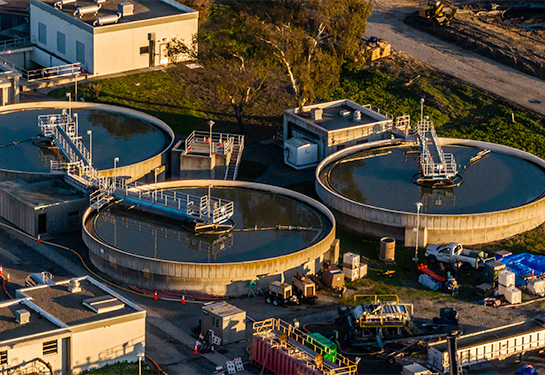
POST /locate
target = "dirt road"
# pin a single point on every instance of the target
(387, 22)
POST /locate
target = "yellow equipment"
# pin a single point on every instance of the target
(439, 12)
(374, 49)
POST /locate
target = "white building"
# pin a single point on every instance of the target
(319, 130)
(68, 327)
(108, 36)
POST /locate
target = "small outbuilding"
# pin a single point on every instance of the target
(228, 322)
(317, 131)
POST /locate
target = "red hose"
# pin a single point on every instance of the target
(159, 369)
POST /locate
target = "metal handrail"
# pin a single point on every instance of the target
(44, 73)
(17, 43)
(345, 365)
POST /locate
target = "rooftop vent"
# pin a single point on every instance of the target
(107, 20)
(81, 11)
(22, 316)
(61, 3)
(74, 286)
(357, 115)
(344, 112)
(317, 114)
(103, 304)
(125, 9)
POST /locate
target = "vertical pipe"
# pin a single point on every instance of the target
(452, 350)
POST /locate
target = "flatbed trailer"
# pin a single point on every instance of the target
(492, 344)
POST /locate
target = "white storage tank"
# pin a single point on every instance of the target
(300, 153)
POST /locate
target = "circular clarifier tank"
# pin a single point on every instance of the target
(372, 189)
(137, 139)
(275, 233)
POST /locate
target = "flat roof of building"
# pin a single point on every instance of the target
(340, 114)
(10, 329)
(504, 332)
(222, 308)
(68, 307)
(42, 193)
(143, 9)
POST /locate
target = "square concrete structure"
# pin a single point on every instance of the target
(66, 335)
(333, 126)
(138, 39)
(48, 206)
(226, 321)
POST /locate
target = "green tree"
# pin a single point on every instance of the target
(312, 39)
(233, 70)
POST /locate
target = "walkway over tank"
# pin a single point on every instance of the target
(434, 163)
(63, 130)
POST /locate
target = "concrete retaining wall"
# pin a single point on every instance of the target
(134, 171)
(467, 229)
(213, 278)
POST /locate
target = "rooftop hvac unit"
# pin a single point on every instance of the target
(357, 115)
(61, 3)
(107, 20)
(81, 11)
(317, 114)
(22, 316)
(125, 9)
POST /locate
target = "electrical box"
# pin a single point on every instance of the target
(300, 153)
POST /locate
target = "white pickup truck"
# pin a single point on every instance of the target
(454, 253)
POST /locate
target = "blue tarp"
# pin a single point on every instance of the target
(524, 263)
(429, 282)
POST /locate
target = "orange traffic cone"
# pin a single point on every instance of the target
(39, 239)
(204, 140)
(8, 279)
(1, 270)
(155, 296)
(183, 299)
(196, 350)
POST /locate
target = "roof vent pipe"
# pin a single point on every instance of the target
(317, 114)
(61, 3)
(357, 115)
(22, 316)
(81, 11)
(74, 286)
(106, 20)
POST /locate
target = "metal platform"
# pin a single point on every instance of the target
(63, 130)
(434, 163)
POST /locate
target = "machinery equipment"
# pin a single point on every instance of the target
(373, 49)
(304, 288)
(280, 293)
(437, 12)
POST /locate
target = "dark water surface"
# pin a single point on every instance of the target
(156, 237)
(383, 178)
(114, 135)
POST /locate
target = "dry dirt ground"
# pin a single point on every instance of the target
(387, 22)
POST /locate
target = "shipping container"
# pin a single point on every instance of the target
(493, 344)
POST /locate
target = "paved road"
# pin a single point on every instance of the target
(387, 22)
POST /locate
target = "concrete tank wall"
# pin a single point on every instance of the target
(467, 229)
(134, 171)
(212, 278)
